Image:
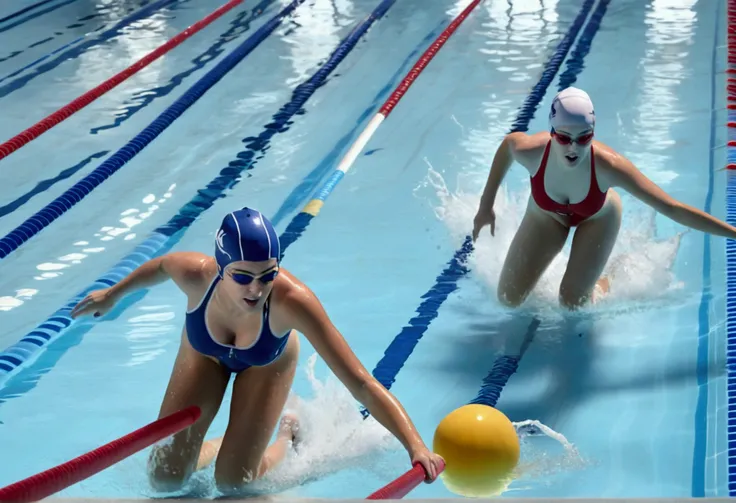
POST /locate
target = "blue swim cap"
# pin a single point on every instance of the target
(246, 234)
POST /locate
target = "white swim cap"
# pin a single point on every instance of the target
(572, 107)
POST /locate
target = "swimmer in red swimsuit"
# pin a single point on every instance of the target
(572, 179)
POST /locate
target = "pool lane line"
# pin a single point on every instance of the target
(164, 237)
(54, 119)
(43, 218)
(23, 10)
(701, 419)
(507, 365)
(239, 25)
(44, 185)
(301, 221)
(144, 97)
(30, 16)
(80, 49)
(24, 381)
(99, 12)
(402, 346)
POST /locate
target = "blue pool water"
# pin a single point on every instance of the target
(634, 386)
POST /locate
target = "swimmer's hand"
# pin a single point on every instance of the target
(482, 218)
(98, 303)
(431, 462)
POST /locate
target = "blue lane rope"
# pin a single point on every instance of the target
(507, 365)
(32, 373)
(305, 188)
(239, 25)
(44, 185)
(164, 237)
(503, 368)
(141, 99)
(16, 84)
(403, 345)
(79, 190)
(576, 62)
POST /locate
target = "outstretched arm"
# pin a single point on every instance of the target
(311, 320)
(625, 175)
(182, 267)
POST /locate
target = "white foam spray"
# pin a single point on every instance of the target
(639, 269)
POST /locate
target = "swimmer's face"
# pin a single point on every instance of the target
(249, 283)
(572, 143)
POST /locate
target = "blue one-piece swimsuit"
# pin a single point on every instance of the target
(266, 348)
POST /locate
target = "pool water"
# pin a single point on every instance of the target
(633, 389)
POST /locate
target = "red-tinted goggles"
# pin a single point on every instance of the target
(564, 139)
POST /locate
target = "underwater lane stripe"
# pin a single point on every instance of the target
(26, 380)
(256, 146)
(24, 10)
(68, 44)
(165, 236)
(44, 185)
(34, 15)
(241, 22)
(42, 219)
(31, 133)
(301, 221)
(303, 191)
(100, 12)
(505, 366)
(144, 97)
(403, 345)
(73, 52)
(700, 419)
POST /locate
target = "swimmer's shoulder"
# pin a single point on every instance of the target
(293, 304)
(191, 271)
(610, 165)
(527, 149)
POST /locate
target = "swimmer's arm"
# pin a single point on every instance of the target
(515, 146)
(502, 161)
(183, 267)
(624, 174)
(311, 320)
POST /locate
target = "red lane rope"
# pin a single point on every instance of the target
(402, 485)
(425, 59)
(60, 477)
(731, 82)
(82, 101)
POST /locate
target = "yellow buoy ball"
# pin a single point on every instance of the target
(481, 449)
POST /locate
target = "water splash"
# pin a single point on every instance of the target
(541, 457)
(639, 269)
(333, 437)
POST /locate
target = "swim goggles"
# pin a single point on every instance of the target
(246, 278)
(564, 139)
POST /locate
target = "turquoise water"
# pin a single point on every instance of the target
(619, 382)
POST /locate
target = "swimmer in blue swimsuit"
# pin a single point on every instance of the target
(244, 312)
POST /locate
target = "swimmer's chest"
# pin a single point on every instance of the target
(567, 186)
(246, 332)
